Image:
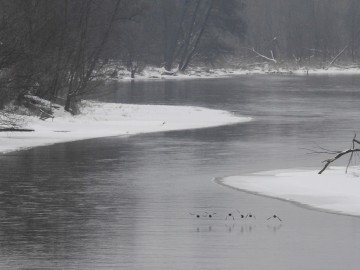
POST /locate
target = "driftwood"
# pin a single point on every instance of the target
(170, 72)
(339, 154)
(16, 130)
(39, 106)
(45, 115)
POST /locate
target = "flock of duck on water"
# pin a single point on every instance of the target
(232, 216)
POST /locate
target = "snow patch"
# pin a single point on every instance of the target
(333, 191)
(113, 119)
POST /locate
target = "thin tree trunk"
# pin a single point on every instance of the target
(55, 84)
(171, 45)
(189, 57)
(67, 103)
(189, 34)
(100, 48)
(75, 70)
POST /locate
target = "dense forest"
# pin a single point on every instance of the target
(55, 48)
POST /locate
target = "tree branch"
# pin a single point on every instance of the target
(339, 154)
(338, 55)
(329, 161)
(272, 59)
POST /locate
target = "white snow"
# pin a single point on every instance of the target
(327, 71)
(110, 119)
(333, 191)
(155, 73)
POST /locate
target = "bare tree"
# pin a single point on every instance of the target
(187, 22)
(86, 58)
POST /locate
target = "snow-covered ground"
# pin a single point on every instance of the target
(154, 73)
(332, 191)
(110, 119)
(326, 71)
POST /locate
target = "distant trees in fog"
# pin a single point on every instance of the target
(311, 32)
(55, 48)
(196, 28)
(50, 47)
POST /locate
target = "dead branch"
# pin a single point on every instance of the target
(272, 59)
(16, 130)
(329, 161)
(339, 154)
(338, 55)
(45, 115)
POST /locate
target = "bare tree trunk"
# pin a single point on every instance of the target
(190, 55)
(67, 103)
(100, 48)
(171, 41)
(76, 67)
(79, 80)
(55, 83)
(189, 34)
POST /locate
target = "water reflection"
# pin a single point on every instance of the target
(248, 229)
(230, 227)
(243, 229)
(274, 228)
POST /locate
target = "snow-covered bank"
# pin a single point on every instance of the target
(332, 191)
(109, 119)
(154, 73)
(326, 71)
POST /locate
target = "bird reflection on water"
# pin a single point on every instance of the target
(274, 228)
(249, 222)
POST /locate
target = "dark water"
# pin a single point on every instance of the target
(124, 203)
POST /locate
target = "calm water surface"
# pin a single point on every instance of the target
(124, 203)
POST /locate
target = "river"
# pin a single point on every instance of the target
(125, 202)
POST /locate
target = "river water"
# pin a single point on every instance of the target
(125, 202)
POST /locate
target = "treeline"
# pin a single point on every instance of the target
(55, 48)
(306, 32)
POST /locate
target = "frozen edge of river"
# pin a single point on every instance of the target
(333, 191)
(112, 119)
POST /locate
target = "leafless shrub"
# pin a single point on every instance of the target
(11, 120)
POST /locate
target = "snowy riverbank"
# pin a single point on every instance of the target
(109, 119)
(154, 73)
(332, 191)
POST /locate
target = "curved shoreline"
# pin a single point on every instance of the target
(218, 180)
(283, 191)
(99, 120)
